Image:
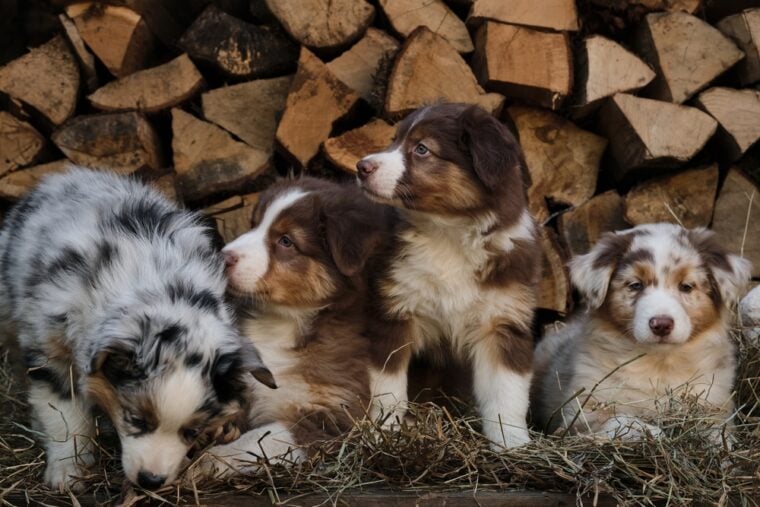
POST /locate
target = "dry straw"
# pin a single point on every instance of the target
(443, 452)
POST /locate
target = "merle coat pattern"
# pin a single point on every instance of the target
(116, 296)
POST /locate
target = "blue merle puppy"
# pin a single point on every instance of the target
(116, 296)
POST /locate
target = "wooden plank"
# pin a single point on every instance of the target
(347, 149)
(406, 15)
(558, 15)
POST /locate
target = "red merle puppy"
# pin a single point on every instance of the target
(466, 264)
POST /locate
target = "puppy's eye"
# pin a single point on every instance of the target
(285, 241)
(421, 150)
(190, 434)
(635, 286)
(139, 423)
(685, 287)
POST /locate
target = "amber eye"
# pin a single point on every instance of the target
(285, 241)
(421, 150)
(635, 286)
(685, 287)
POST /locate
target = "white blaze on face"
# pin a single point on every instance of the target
(656, 302)
(251, 248)
(161, 452)
(390, 168)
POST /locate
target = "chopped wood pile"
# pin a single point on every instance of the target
(629, 111)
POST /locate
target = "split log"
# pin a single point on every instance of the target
(20, 144)
(152, 89)
(234, 107)
(649, 133)
(689, 6)
(237, 48)
(738, 113)
(558, 15)
(323, 24)
(428, 69)
(347, 149)
(406, 15)
(122, 142)
(46, 78)
(525, 64)
(317, 99)
(117, 35)
(563, 160)
(685, 198)
(86, 60)
(582, 226)
(554, 286)
(208, 160)
(605, 68)
(358, 67)
(686, 52)
(735, 217)
(233, 215)
(744, 30)
(14, 185)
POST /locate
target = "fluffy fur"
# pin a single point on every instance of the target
(300, 276)
(117, 299)
(466, 262)
(658, 291)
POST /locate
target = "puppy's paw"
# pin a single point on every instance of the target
(506, 437)
(629, 428)
(63, 475)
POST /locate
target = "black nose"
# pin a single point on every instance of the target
(365, 167)
(149, 480)
(661, 325)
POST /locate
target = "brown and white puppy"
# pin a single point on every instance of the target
(466, 262)
(299, 275)
(658, 291)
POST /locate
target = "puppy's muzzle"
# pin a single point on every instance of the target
(365, 167)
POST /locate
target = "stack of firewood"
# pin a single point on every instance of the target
(629, 111)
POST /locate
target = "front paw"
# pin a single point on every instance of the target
(63, 475)
(506, 437)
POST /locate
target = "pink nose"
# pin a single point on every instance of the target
(230, 258)
(365, 168)
(661, 325)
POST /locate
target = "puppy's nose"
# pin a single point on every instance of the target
(150, 480)
(230, 258)
(661, 325)
(365, 167)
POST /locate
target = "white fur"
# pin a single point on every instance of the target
(161, 452)
(658, 302)
(389, 393)
(251, 248)
(272, 443)
(390, 168)
(502, 397)
(69, 432)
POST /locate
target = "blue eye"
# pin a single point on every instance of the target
(285, 241)
(421, 149)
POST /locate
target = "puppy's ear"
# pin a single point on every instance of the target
(731, 272)
(493, 148)
(354, 229)
(591, 273)
(229, 369)
(117, 362)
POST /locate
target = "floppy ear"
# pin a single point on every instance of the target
(117, 362)
(493, 148)
(354, 229)
(591, 273)
(731, 272)
(229, 369)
